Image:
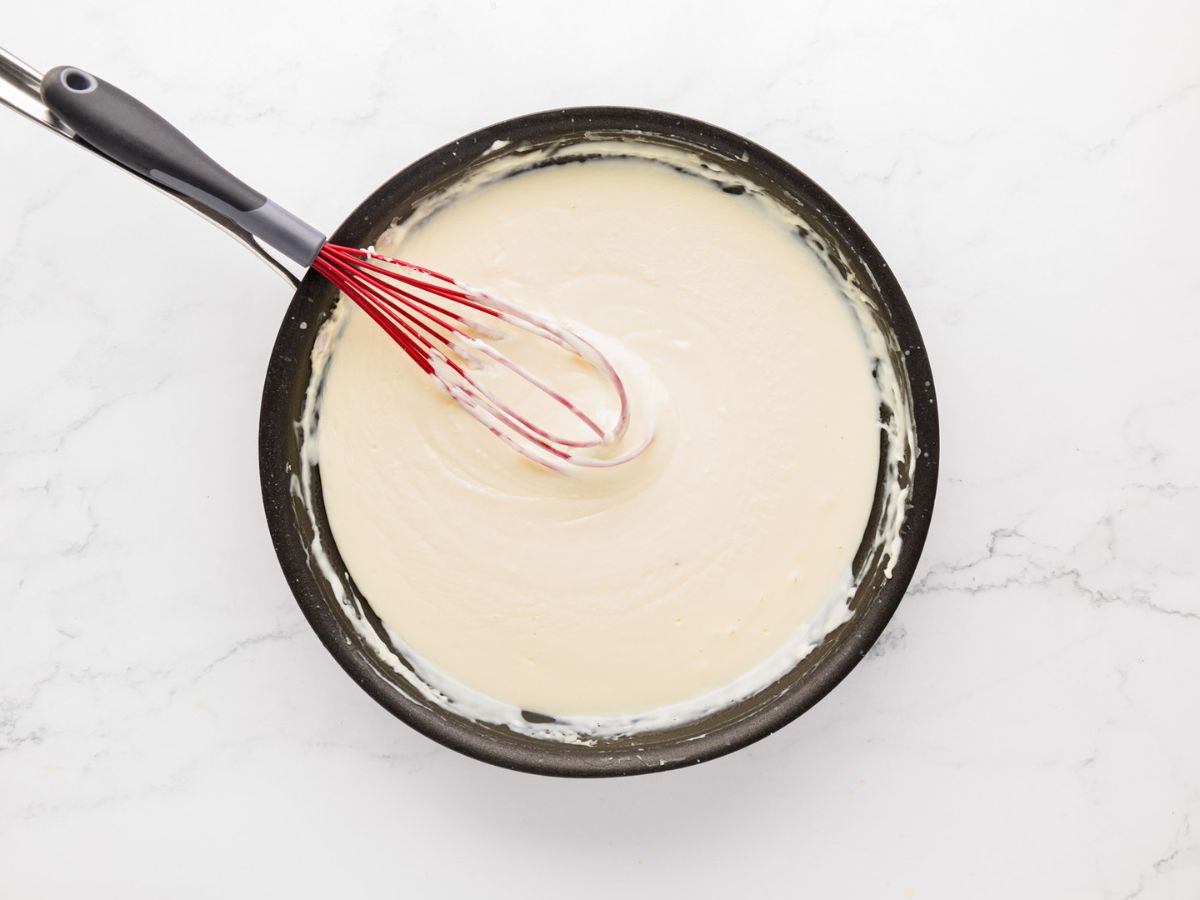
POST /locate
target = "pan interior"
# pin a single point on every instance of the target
(327, 594)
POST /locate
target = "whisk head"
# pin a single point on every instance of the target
(450, 331)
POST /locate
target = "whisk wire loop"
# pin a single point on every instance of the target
(443, 327)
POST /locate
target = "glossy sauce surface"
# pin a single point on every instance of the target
(613, 592)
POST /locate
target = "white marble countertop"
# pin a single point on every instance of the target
(1029, 726)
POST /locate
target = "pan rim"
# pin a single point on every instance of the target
(545, 757)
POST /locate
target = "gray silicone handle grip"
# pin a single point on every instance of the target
(129, 132)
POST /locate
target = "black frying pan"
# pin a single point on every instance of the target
(289, 373)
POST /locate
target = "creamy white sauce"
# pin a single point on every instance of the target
(634, 598)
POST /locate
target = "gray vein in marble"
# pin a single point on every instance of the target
(965, 576)
(63, 434)
(241, 646)
(1181, 846)
(1167, 104)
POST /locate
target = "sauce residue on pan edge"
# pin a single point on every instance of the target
(636, 598)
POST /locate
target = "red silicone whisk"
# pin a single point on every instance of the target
(447, 329)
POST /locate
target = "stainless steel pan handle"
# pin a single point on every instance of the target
(20, 90)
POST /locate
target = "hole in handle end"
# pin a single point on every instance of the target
(78, 81)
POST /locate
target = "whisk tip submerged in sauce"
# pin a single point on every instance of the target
(450, 331)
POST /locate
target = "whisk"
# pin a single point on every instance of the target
(441, 325)
(448, 329)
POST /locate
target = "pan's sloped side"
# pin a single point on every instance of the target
(280, 461)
